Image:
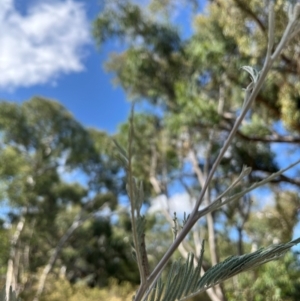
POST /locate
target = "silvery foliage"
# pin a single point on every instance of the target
(184, 279)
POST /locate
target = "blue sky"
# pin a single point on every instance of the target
(47, 50)
(33, 60)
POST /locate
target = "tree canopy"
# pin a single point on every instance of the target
(43, 150)
(192, 84)
(63, 185)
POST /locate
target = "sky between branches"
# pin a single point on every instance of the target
(46, 49)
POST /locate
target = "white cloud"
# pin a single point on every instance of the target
(46, 42)
(179, 203)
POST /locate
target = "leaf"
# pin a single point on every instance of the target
(123, 157)
(238, 264)
(181, 280)
(253, 72)
(184, 280)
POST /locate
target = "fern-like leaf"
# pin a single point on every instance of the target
(184, 280)
(238, 264)
(181, 280)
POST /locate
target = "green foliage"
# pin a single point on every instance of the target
(256, 126)
(163, 38)
(60, 289)
(196, 109)
(4, 247)
(148, 149)
(200, 111)
(289, 100)
(237, 264)
(282, 216)
(176, 289)
(275, 281)
(37, 157)
(193, 88)
(98, 251)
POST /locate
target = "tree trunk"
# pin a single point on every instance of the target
(11, 274)
(76, 223)
(79, 220)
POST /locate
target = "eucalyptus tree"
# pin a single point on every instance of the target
(56, 176)
(203, 127)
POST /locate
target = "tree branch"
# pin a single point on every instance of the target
(270, 138)
(78, 221)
